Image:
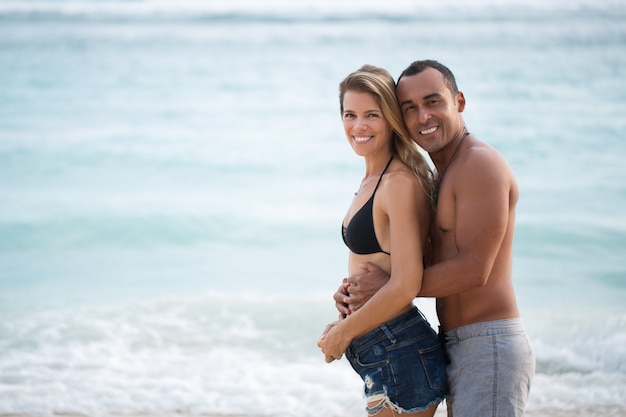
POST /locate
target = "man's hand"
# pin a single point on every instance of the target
(339, 297)
(357, 289)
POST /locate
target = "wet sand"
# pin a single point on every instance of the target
(441, 412)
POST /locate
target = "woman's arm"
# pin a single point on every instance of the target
(406, 206)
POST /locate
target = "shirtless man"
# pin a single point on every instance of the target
(491, 363)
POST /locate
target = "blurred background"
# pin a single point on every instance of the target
(173, 176)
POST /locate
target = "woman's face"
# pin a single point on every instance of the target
(367, 130)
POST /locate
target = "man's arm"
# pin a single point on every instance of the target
(357, 289)
(478, 216)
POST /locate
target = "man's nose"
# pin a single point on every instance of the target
(424, 116)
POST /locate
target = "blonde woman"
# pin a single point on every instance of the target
(387, 341)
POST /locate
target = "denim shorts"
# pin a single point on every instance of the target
(491, 368)
(402, 364)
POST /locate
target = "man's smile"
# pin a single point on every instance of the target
(429, 130)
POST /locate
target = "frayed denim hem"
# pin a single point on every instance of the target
(382, 401)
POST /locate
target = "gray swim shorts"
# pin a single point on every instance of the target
(491, 368)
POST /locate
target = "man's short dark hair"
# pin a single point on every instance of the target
(418, 66)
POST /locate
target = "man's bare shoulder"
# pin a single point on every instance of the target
(481, 158)
(483, 172)
(481, 151)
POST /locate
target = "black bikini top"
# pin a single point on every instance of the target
(360, 236)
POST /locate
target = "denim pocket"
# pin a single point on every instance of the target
(373, 356)
(434, 363)
(372, 365)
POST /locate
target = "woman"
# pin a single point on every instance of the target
(387, 341)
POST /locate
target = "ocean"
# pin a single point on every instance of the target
(173, 176)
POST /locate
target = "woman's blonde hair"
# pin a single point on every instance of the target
(378, 82)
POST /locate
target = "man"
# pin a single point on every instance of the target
(491, 361)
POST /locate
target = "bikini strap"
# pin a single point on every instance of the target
(381, 176)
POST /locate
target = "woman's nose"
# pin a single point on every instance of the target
(361, 123)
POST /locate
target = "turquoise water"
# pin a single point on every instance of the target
(172, 179)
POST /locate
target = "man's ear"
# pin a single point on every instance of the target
(460, 101)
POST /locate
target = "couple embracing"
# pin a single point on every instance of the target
(447, 235)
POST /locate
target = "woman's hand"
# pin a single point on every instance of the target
(331, 342)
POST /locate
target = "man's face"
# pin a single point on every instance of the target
(430, 111)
